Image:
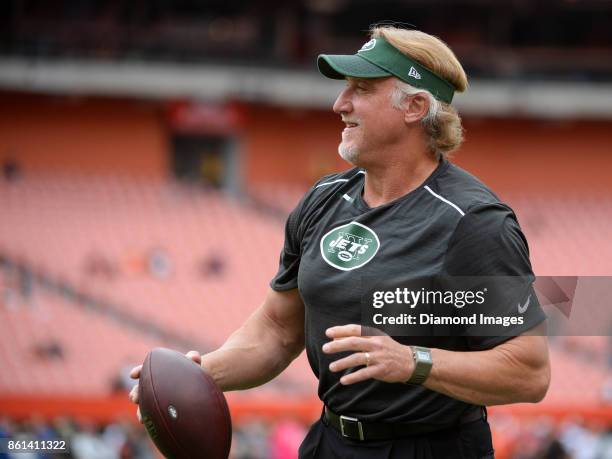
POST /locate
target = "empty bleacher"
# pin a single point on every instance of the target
(195, 263)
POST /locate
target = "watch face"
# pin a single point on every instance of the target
(423, 356)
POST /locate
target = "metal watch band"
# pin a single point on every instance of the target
(422, 364)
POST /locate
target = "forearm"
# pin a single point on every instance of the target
(252, 356)
(514, 372)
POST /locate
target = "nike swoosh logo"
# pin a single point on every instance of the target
(523, 308)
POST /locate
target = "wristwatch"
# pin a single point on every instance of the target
(422, 364)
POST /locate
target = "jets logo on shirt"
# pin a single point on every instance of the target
(349, 246)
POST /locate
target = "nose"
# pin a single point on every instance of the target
(343, 102)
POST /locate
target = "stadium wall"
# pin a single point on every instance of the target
(71, 134)
(291, 145)
(92, 135)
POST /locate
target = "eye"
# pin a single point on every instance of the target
(358, 86)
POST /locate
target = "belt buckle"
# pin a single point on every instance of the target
(343, 419)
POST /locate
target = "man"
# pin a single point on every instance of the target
(403, 212)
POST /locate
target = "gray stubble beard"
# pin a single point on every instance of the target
(349, 154)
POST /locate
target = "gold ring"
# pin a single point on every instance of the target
(367, 356)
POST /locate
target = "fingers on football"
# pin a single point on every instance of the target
(135, 372)
(195, 356)
(134, 394)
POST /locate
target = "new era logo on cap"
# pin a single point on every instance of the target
(414, 74)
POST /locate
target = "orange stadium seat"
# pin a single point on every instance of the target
(54, 223)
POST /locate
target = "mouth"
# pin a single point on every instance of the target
(349, 125)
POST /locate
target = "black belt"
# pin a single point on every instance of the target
(355, 429)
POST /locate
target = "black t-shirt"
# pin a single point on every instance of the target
(338, 249)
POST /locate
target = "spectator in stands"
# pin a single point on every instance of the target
(50, 349)
(404, 211)
(8, 289)
(89, 443)
(212, 265)
(99, 266)
(11, 171)
(553, 449)
(122, 381)
(251, 441)
(158, 263)
(7, 430)
(285, 439)
(579, 441)
(20, 285)
(136, 444)
(609, 347)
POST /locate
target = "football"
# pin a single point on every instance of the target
(182, 409)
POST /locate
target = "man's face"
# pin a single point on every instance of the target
(372, 123)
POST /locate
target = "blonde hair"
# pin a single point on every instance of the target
(442, 122)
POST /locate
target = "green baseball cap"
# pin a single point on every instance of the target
(378, 59)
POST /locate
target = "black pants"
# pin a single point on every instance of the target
(467, 441)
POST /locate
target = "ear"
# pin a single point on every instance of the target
(415, 108)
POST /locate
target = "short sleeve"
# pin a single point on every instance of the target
(286, 277)
(488, 244)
